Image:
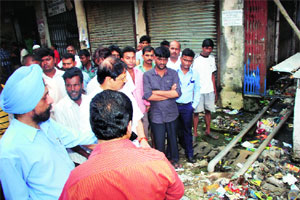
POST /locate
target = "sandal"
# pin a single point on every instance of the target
(176, 165)
(215, 137)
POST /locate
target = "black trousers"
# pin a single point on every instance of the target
(159, 131)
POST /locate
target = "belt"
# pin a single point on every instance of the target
(183, 104)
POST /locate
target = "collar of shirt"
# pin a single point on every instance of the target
(57, 73)
(92, 68)
(180, 71)
(72, 103)
(155, 71)
(108, 146)
(29, 130)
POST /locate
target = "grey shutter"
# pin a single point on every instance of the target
(110, 22)
(189, 22)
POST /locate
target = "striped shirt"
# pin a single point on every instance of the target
(4, 122)
(117, 170)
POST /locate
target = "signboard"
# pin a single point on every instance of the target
(232, 18)
(56, 7)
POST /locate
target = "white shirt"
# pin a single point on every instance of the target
(70, 114)
(56, 86)
(205, 67)
(138, 56)
(175, 65)
(92, 85)
(77, 59)
(137, 113)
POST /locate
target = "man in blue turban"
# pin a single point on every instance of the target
(34, 163)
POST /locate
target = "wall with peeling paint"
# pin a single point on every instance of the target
(82, 25)
(231, 58)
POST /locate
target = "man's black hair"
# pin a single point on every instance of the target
(68, 55)
(115, 48)
(165, 43)
(147, 49)
(84, 52)
(55, 46)
(42, 52)
(162, 52)
(71, 72)
(208, 43)
(70, 45)
(127, 49)
(188, 52)
(111, 67)
(145, 38)
(110, 113)
(101, 53)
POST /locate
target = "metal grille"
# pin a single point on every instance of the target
(63, 30)
(189, 22)
(255, 47)
(110, 23)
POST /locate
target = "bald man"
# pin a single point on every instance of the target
(174, 59)
(34, 163)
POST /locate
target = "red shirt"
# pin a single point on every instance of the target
(56, 55)
(119, 170)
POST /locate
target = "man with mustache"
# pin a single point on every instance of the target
(174, 60)
(161, 88)
(52, 76)
(136, 78)
(71, 110)
(148, 57)
(34, 163)
(112, 75)
(68, 61)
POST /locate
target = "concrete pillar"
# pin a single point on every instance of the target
(140, 22)
(42, 24)
(82, 24)
(231, 58)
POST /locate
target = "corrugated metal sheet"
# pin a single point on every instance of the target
(63, 30)
(110, 23)
(189, 22)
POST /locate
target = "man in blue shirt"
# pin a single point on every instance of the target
(161, 88)
(34, 163)
(188, 101)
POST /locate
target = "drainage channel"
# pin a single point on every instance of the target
(236, 159)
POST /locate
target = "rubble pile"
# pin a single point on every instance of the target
(272, 176)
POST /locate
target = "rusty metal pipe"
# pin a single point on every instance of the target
(213, 162)
(255, 155)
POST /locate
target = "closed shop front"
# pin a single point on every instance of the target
(62, 25)
(110, 22)
(189, 22)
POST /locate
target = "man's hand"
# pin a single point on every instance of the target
(90, 146)
(147, 108)
(144, 144)
(174, 86)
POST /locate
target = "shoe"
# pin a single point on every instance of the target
(191, 159)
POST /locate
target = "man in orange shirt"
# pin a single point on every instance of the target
(117, 169)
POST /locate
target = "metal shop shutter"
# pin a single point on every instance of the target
(110, 22)
(63, 30)
(189, 22)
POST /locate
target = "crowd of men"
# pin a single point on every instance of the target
(103, 114)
